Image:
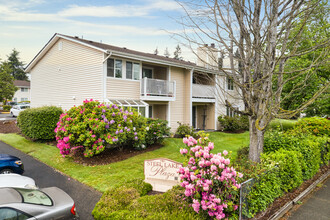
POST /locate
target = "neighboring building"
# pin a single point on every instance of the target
(69, 70)
(23, 92)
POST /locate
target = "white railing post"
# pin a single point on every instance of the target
(145, 86)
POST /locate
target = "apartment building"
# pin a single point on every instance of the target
(23, 92)
(69, 70)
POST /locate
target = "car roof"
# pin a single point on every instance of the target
(16, 180)
(9, 195)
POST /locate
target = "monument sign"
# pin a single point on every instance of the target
(161, 173)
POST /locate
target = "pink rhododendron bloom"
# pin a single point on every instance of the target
(225, 152)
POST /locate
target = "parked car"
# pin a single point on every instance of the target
(15, 110)
(11, 103)
(16, 180)
(41, 204)
(10, 164)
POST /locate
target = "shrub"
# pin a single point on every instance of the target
(114, 200)
(210, 184)
(234, 123)
(309, 146)
(141, 187)
(156, 130)
(289, 168)
(315, 126)
(184, 130)
(93, 126)
(6, 107)
(39, 123)
(265, 190)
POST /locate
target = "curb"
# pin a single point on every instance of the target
(4, 112)
(277, 215)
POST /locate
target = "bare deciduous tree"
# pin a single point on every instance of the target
(256, 36)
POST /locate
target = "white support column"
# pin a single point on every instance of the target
(169, 103)
(190, 96)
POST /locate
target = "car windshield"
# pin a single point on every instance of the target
(35, 197)
(25, 106)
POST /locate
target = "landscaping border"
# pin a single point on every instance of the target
(277, 215)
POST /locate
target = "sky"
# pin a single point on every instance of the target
(143, 25)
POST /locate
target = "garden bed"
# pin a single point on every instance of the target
(9, 127)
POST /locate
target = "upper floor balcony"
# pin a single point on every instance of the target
(157, 89)
(203, 93)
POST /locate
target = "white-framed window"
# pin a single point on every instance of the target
(230, 84)
(24, 89)
(139, 105)
(118, 68)
(123, 69)
(24, 99)
(231, 112)
(132, 70)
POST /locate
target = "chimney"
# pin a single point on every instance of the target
(212, 45)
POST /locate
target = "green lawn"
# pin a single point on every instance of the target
(105, 176)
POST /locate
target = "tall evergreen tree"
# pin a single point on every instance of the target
(7, 87)
(17, 66)
(177, 53)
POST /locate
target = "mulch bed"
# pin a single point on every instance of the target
(9, 127)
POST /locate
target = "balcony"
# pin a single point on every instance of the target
(157, 90)
(203, 93)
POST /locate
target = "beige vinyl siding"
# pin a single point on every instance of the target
(123, 89)
(68, 76)
(179, 109)
(160, 111)
(19, 94)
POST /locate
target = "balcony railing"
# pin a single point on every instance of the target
(203, 91)
(151, 88)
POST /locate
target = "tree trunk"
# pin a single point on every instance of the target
(256, 141)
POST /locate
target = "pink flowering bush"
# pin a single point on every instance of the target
(93, 126)
(211, 186)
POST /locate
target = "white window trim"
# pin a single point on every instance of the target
(149, 68)
(124, 69)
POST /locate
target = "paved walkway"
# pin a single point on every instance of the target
(316, 206)
(85, 197)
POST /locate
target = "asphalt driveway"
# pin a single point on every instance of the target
(85, 197)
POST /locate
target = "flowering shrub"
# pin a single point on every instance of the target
(210, 184)
(156, 129)
(315, 126)
(92, 126)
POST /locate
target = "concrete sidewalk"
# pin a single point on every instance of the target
(316, 206)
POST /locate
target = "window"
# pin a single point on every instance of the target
(129, 70)
(35, 197)
(136, 71)
(146, 72)
(9, 213)
(110, 67)
(24, 89)
(231, 112)
(128, 104)
(230, 84)
(118, 68)
(150, 111)
(24, 99)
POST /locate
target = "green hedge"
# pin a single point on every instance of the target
(130, 201)
(6, 107)
(234, 123)
(281, 124)
(39, 123)
(315, 126)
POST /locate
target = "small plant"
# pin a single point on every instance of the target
(211, 186)
(184, 130)
(157, 129)
(234, 123)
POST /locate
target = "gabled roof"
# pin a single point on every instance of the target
(117, 51)
(21, 83)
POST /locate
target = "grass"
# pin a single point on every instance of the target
(105, 176)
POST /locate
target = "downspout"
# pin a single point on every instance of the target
(105, 76)
(190, 98)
